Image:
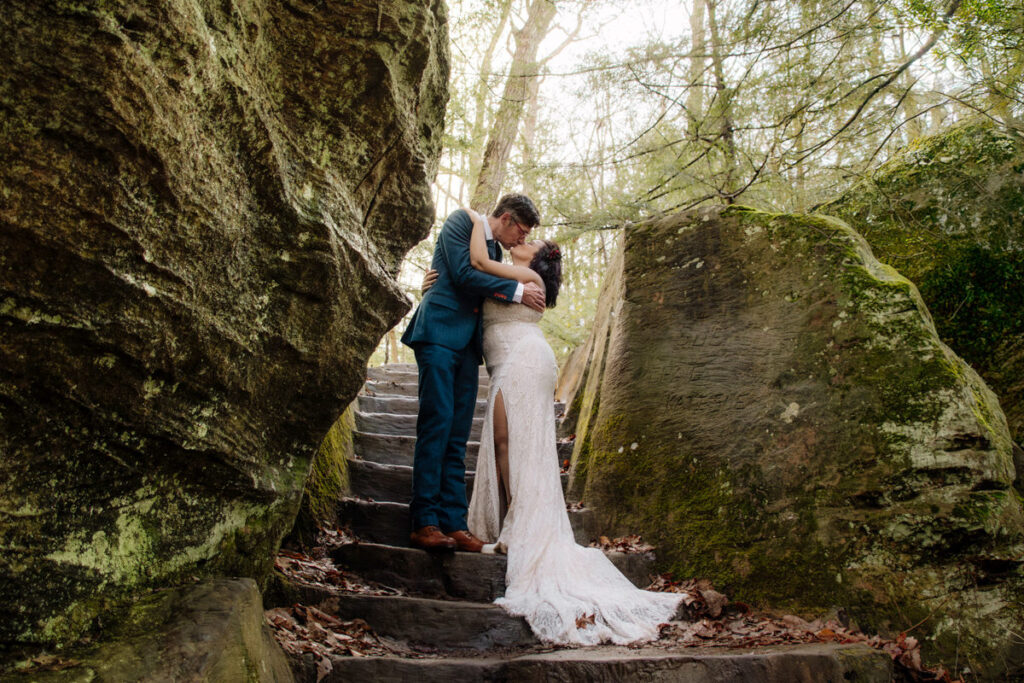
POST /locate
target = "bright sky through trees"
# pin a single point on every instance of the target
(632, 109)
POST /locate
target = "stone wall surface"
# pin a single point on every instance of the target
(773, 409)
(948, 213)
(203, 207)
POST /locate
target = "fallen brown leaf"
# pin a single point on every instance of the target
(583, 622)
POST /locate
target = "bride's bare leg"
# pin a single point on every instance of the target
(501, 453)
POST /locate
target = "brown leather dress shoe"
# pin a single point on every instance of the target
(431, 538)
(466, 541)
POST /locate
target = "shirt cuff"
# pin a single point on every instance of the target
(518, 298)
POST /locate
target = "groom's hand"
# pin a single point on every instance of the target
(428, 281)
(533, 296)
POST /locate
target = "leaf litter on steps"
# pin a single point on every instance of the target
(711, 620)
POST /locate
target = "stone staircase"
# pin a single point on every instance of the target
(444, 616)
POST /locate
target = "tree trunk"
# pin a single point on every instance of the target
(513, 102)
(722, 109)
(530, 135)
(393, 349)
(695, 93)
(914, 125)
(478, 132)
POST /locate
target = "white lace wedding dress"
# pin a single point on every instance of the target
(569, 594)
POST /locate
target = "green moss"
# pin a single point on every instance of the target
(572, 411)
(328, 479)
(949, 214)
(706, 520)
(214, 536)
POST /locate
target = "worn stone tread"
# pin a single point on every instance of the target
(393, 483)
(397, 367)
(388, 523)
(391, 388)
(466, 576)
(401, 425)
(404, 372)
(823, 663)
(410, 405)
(391, 449)
(425, 621)
(400, 405)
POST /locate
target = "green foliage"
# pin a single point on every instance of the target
(980, 28)
(976, 295)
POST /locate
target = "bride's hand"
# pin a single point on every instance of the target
(533, 296)
(429, 278)
(473, 215)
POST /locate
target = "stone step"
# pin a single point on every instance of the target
(403, 372)
(423, 621)
(411, 377)
(409, 405)
(389, 449)
(399, 405)
(389, 388)
(466, 576)
(818, 663)
(389, 524)
(397, 367)
(401, 425)
(393, 483)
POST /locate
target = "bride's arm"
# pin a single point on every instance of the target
(481, 260)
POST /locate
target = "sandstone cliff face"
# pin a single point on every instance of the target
(948, 213)
(772, 407)
(204, 206)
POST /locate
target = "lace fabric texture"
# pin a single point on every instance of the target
(567, 593)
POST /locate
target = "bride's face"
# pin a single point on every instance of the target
(522, 254)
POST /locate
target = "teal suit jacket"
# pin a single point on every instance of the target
(449, 314)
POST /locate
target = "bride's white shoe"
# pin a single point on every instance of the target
(494, 549)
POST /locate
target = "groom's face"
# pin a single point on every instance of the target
(510, 232)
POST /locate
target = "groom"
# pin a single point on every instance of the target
(445, 334)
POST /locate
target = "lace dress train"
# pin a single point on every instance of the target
(568, 594)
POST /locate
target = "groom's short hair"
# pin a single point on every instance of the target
(521, 207)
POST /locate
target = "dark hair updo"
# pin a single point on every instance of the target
(547, 263)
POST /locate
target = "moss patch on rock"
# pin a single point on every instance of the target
(948, 213)
(328, 480)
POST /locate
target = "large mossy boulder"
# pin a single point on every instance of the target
(204, 207)
(772, 407)
(948, 213)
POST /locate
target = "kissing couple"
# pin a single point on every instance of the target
(476, 307)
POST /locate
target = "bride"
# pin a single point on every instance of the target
(568, 594)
